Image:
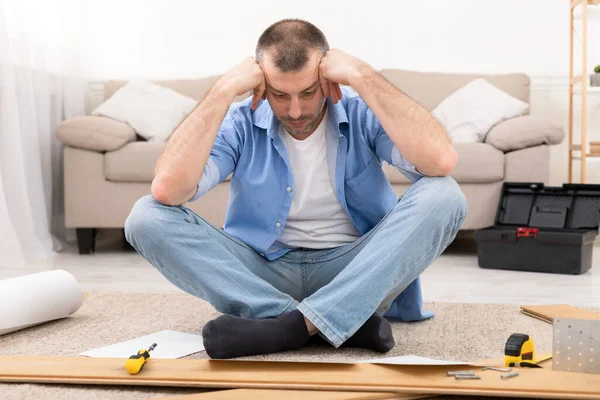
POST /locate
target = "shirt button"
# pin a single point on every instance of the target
(262, 254)
(289, 189)
(278, 225)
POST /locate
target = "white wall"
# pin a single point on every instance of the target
(158, 39)
(188, 38)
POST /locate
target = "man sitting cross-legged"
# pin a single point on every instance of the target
(315, 240)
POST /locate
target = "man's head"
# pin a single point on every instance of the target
(289, 52)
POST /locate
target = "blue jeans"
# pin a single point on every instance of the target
(337, 289)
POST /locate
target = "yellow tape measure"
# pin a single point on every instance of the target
(519, 351)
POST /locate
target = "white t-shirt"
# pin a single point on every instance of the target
(316, 220)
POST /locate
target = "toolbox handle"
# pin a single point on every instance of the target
(526, 232)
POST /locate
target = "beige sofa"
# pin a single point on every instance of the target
(107, 169)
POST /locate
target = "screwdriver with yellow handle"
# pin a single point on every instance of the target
(135, 363)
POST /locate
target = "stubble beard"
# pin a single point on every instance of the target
(309, 128)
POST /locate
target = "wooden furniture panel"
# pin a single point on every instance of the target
(532, 382)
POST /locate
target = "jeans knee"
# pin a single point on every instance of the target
(446, 195)
(454, 196)
(141, 219)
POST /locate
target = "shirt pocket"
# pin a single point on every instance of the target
(369, 196)
(369, 171)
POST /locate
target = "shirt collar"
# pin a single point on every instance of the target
(264, 117)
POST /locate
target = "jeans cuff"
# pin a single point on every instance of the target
(332, 336)
(290, 307)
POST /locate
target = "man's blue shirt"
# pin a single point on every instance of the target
(262, 186)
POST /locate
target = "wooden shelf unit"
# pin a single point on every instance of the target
(583, 90)
(577, 147)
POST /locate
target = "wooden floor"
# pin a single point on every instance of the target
(454, 277)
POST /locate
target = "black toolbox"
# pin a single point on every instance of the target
(542, 229)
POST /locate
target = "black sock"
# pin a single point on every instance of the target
(375, 334)
(229, 336)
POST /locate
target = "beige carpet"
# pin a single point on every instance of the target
(458, 331)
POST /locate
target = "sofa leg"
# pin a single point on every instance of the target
(126, 245)
(86, 240)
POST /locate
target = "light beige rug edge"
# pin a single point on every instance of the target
(458, 331)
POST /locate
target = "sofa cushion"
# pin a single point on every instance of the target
(194, 88)
(94, 133)
(469, 113)
(430, 88)
(153, 111)
(526, 131)
(134, 162)
(477, 163)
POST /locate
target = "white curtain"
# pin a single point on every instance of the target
(40, 85)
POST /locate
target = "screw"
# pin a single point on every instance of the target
(497, 369)
(510, 375)
(467, 377)
(455, 373)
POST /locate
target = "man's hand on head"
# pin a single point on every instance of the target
(246, 76)
(337, 68)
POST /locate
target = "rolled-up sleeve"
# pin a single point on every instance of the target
(385, 149)
(223, 156)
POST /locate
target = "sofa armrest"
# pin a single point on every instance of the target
(523, 132)
(95, 133)
(528, 165)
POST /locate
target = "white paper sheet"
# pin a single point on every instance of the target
(411, 360)
(37, 298)
(169, 344)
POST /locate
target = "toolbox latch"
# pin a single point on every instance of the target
(526, 232)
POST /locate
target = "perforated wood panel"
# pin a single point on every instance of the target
(576, 345)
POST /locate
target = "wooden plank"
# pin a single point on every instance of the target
(532, 382)
(548, 312)
(260, 394)
(570, 123)
(584, 44)
(271, 394)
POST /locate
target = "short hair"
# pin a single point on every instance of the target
(291, 39)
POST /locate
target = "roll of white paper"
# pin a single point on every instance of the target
(37, 298)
